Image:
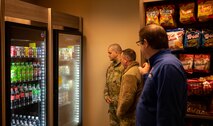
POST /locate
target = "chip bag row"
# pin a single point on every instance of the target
(195, 62)
(189, 38)
(161, 15)
(164, 15)
(204, 11)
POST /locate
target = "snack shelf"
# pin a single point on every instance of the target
(207, 117)
(203, 96)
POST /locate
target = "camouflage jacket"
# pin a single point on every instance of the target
(130, 91)
(113, 81)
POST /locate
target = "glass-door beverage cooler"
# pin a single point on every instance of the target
(26, 78)
(67, 78)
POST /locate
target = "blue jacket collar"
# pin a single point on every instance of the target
(153, 58)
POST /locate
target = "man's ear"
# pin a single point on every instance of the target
(146, 44)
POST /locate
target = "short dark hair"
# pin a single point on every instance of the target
(155, 35)
(116, 47)
(129, 54)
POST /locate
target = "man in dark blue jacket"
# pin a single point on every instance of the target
(164, 96)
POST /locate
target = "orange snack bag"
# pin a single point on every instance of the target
(187, 13)
(152, 14)
(205, 10)
(167, 16)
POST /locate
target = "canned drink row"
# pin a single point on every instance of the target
(24, 51)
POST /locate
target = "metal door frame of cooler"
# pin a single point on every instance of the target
(8, 25)
(55, 71)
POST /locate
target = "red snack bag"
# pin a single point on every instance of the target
(187, 62)
(202, 63)
(194, 87)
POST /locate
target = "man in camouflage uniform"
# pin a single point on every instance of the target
(113, 80)
(130, 90)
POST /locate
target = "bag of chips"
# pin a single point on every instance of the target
(202, 63)
(152, 14)
(205, 10)
(167, 16)
(175, 37)
(207, 38)
(187, 13)
(192, 38)
(187, 62)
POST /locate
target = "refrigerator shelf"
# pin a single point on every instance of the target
(24, 40)
(25, 58)
(64, 104)
(38, 102)
(25, 82)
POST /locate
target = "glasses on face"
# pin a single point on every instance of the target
(140, 42)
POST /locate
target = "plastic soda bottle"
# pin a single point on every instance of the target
(37, 121)
(12, 98)
(38, 70)
(34, 51)
(38, 92)
(30, 93)
(22, 95)
(13, 72)
(18, 72)
(26, 93)
(17, 97)
(34, 93)
(30, 74)
(26, 71)
(35, 75)
(26, 50)
(23, 71)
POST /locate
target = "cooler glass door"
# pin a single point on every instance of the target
(26, 75)
(69, 79)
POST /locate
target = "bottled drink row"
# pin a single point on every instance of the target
(25, 71)
(24, 51)
(24, 94)
(24, 120)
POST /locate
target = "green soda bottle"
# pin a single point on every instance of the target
(26, 71)
(30, 71)
(23, 72)
(13, 72)
(18, 72)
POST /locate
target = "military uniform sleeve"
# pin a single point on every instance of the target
(127, 94)
(106, 88)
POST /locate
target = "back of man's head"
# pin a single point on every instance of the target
(155, 35)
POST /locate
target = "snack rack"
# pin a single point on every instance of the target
(190, 39)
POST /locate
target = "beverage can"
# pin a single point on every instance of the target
(13, 51)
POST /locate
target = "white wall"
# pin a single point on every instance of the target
(105, 22)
